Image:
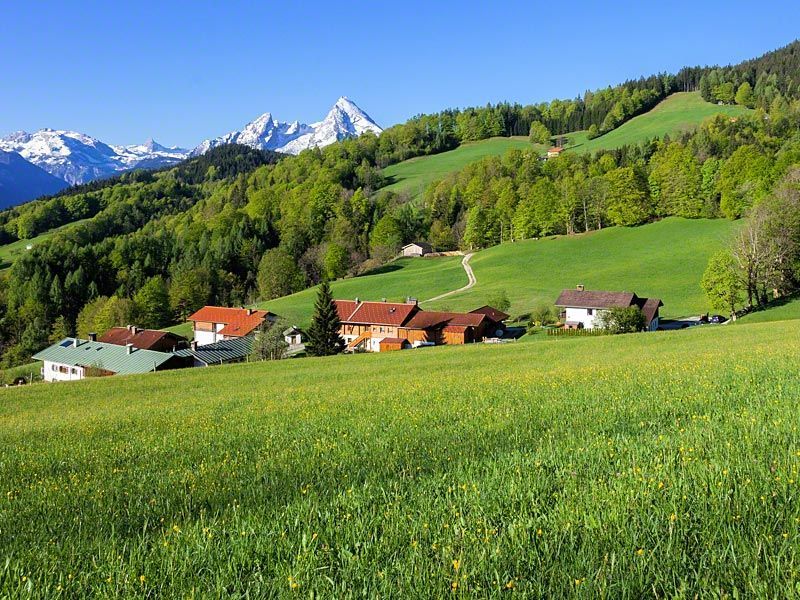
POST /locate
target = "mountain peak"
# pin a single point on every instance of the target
(345, 119)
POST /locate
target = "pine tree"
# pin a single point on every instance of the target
(323, 335)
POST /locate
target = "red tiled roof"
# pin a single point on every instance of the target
(345, 308)
(392, 340)
(495, 315)
(143, 339)
(237, 321)
(428, 319)
(556, 149)
(590, 299)
(382, 313)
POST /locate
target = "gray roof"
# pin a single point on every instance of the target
(220, 352)
(594, 299)
(108, 357)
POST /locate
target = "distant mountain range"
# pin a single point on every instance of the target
(44, 162)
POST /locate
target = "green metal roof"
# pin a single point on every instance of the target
(220, 352)
(109, 357)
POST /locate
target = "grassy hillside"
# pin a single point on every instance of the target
(10, 252)
(680, 112)
(781, 312)
(656, 464)
(664, 259)
(414, 175)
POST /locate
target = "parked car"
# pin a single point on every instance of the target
(717, 319)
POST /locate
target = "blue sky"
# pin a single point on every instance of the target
(184, 71)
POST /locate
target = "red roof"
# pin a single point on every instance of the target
(238, 321)
(382, 313)
(345, 308)
(556, 149)
(391, 340)
(495, 315)
(143, 339)
(428, 319)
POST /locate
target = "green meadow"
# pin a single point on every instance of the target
(414, 175)
(10, 252)
(665, 259)
(661, 464)
(676, 114)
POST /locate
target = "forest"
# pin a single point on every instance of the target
(237, 224)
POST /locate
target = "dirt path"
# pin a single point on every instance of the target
(470, 277)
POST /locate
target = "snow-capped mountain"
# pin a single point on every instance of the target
(344, 120)
(78, 158)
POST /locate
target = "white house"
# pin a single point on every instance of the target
(417, 249)
(582, 308)
(214, 324)
(72, 359)
(293, 336)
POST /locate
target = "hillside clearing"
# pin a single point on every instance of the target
(678, 113)
(482, 468)
(414, 175)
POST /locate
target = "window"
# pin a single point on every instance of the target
(590, 311)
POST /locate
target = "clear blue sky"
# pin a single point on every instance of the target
(182, 72)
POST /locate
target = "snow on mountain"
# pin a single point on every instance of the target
(77, 158)
(344, 120)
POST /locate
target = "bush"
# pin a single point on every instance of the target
(622, 320)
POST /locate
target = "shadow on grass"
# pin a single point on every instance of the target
(391, 267)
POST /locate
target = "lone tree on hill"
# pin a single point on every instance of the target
(323, 335)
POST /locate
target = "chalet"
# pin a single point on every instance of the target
(417, 249)
(555, 152)
(72, 359)
(213, 324)
(144, 339)
(231, 350)
(583, 307)
(381, 326)
(293, 336)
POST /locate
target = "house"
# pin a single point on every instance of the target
(235, 349)
(417, 249)
(293, 336)
(144, 339)
(214, 324)
(377, 326)
(555, 152)
(73, 358)
(583, 307)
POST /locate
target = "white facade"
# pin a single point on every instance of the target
(587, 317)
(414, 250)
(52, 371)
(209, 337)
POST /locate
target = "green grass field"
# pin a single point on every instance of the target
(680, 112)
(664, 259)
(661, 464)
(414, 175)
(783, 312)
(10, 252)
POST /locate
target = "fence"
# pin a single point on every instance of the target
(564, 332)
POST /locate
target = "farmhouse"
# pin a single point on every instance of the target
(555, 152)
(583, 307)
(214, 324)
(144, 339)
(382, 326)
(72, 359)
(417, 249)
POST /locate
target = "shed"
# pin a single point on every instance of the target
(390, 343)
(417, 249)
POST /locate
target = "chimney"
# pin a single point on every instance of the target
(92, 337)
(249, 311)
(413, 301)
(130, 328)
(357, 301)
(383, 299)
(75, 342)
(193, 345)
(129, 348)
(579, 287)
